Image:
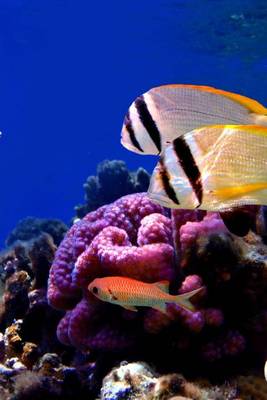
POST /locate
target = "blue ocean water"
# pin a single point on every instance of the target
(70, 68)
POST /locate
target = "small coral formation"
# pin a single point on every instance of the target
(135, 238)
(46, 378)
(128, 381)
(112, 181)
(31, 358)
(138, 381)
(30, 227)
(24, 271)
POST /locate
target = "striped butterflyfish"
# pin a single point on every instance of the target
(166, 112)
(214, 168)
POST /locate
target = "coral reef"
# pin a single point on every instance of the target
(58, 341)
(133, 380)
(33, 363)
(135, 238)
(138, 381)
(30, 227)
(112, 181)
(103, 244)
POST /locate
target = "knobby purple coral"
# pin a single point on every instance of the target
(136, 238)
(125, 214)
(131, 237)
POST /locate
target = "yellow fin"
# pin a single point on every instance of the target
(237, 191)
(130, 308)
(251, 104)
(163, 285)
(253, 129)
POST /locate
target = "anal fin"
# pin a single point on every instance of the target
(130, 308)
(161, 307)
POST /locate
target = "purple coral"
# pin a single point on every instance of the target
(125, 214)
(190, 231)
(111, 253)
(213, 317)
(191, 282)
(231, 344)
(135, 238)
(130, 237)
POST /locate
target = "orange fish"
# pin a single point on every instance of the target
(129, 293)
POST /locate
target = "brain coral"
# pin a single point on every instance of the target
(136, 238)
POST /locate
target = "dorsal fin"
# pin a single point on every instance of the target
(162, 285)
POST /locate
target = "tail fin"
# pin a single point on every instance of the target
(183, 300)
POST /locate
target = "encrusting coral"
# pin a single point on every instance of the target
(136, 238)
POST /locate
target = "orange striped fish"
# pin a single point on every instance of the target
(129, 293)
(166, 112)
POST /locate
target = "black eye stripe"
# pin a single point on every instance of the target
(95, 290)
(130, 130)
(148, 121)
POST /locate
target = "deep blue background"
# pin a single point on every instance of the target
(70, 68)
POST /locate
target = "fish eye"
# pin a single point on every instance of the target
(95, 290)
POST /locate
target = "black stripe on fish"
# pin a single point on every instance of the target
(130, 130)
(148, 121)
(165, 180)
(189, 166)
